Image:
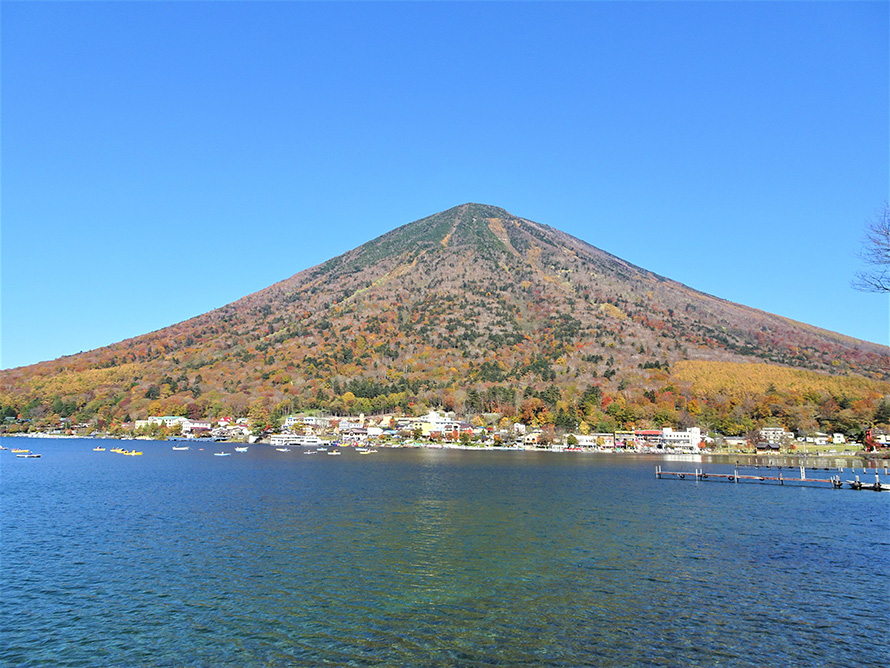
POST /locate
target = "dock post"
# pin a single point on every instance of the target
(803, 473)
(781, 481)
(658, 471)
(735, 473)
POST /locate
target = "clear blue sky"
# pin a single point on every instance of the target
(162, 159)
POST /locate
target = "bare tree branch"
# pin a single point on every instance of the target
(876, 252)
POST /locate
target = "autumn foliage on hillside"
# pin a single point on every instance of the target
(477, 311)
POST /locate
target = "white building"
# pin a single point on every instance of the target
(775, 434)
(532, 438)
(688, 439)
(309, 421)
(167, 420)
(817, 439)
(283, 439)
(594, 440)
(189, 426)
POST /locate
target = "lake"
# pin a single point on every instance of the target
(425, 557)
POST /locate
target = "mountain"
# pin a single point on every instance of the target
(472, 309)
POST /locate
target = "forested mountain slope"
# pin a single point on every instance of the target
(472, 309)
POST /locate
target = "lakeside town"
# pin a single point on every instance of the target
(438, 429)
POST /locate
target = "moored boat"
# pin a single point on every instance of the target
(29, 455)
(244, 449)
(873, 486)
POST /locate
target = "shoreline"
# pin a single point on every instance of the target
(862, 455)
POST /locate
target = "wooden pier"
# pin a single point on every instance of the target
(735, 477)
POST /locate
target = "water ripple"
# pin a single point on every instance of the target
(429, 559)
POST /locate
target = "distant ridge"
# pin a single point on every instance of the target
(431, 312)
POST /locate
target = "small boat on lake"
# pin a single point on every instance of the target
(311, 452)
(98, 448)
(244, 449)
(873, 486)
(29, 456)
(19, 450)
(283, 449)
(334, 452)
(180, 447)
(221, 454)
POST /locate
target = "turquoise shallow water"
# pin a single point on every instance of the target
(428, 558)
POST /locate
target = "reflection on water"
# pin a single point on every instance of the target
(430, 558)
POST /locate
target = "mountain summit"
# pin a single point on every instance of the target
(463, 301)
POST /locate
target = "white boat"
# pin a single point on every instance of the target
(221, 454)
(244, 449)
(283, 449)
(310, 452)
(29, 456)
(334, 452)
(98, 448)
(180, 447)
(873, 486)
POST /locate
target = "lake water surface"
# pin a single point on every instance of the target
(428, 558)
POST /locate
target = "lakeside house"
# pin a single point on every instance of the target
(688, 439)
(197, 427)
(165, 421)
(310, 421)
(775, 434)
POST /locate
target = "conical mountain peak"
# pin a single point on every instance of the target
(470, 299)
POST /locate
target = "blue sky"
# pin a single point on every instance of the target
(162, 159)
